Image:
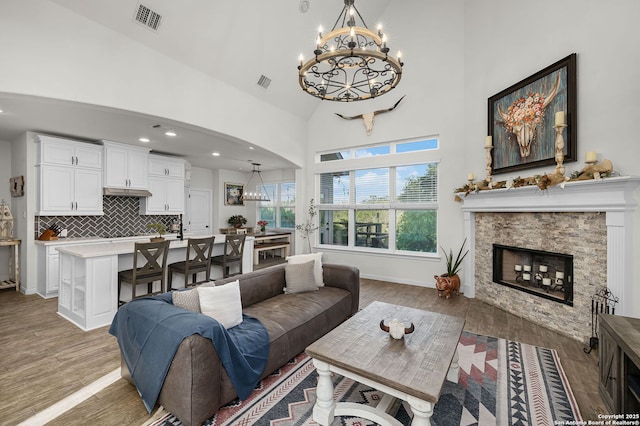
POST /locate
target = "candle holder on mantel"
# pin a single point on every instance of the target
(488, 148)
(559, 148)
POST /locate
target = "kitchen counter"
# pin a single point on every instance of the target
(88, 285)
(96, 239)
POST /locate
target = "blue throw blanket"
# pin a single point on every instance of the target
(149, 331)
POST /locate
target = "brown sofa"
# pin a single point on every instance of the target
(196, 385)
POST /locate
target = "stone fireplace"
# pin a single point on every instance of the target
(590, 221)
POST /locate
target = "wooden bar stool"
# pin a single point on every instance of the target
(232, 255)
(155, 269)
(201, 261)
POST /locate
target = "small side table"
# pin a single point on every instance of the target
(14, 264)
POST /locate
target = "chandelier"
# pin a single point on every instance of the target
(255, 196)
(350, 63)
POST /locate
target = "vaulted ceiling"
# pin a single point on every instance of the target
(236, 42)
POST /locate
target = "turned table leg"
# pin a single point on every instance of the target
(325, 406)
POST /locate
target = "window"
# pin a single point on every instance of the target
(382, 209)
(399, 147)
(279, 212)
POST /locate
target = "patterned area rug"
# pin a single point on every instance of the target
(500, 382)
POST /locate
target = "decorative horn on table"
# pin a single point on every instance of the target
(397, 329)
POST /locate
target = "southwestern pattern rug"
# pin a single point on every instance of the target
(501, 382)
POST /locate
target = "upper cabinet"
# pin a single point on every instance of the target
(166, 183)
(166, 166)
(125, 166)
(70, 177)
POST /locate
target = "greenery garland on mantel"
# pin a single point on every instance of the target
(592, 171)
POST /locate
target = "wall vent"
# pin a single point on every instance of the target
(147, 17)
(264, 81)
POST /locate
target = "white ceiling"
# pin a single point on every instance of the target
(233, 41)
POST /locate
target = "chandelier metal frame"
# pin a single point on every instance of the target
(255, 196)
(350, 63)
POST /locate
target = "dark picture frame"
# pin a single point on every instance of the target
(528, 108)
(233, 194)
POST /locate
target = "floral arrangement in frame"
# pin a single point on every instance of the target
(233, 194)
(522, 118)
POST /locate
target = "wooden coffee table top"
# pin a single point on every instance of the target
(416, 364)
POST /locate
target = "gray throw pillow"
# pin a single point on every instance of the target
(299, 277)
(187, 299)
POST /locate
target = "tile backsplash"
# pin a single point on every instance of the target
(121, 218)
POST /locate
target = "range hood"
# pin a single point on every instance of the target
(122, 192)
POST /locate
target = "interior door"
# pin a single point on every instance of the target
(198, 211)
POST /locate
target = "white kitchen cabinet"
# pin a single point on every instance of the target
(70, 178)
(166, 184)
(125, 166)
(48, 271)
(166, 166)
(70, 191)
(167, 197)
(65, 152)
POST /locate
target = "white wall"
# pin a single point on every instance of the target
(5, 194)
(58, 54)
(431, 40)
(499, 51)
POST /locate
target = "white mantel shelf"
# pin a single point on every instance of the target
(606, 195)
(617, 197)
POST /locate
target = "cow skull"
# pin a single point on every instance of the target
(524, 115)
(367, 117)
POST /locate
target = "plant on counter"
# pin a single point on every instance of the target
(262, 225)
(160, 228)
(237, 220)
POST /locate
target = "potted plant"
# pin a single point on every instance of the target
(237, 220)
(160, 228)
(262, 224)
(450, 281)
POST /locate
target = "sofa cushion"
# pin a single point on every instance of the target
(302, 258)
(187, 299)
(299, 277)
(295, 320)
(222, 303)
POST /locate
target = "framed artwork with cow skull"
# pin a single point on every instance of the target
(522, 119)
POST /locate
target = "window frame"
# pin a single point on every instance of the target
(277, 205)
(390, 161)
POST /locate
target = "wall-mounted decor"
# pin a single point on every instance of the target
(522, 118)
(233, 194)
(16, 185)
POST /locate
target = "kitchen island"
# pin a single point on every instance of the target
(88, 293)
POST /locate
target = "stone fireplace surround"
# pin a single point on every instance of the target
(593, 220)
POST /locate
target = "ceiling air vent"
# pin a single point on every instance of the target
(147, 17)
(264, 81)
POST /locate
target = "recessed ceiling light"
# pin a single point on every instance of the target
(250, 147)
(144, 140)
(1, 111)
(170, 133)
(215, 154)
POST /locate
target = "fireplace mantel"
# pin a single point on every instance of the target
(616, 196)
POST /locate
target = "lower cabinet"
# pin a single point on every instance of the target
(48, 271)
(619, 363)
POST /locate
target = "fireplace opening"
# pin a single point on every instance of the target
(544, 274)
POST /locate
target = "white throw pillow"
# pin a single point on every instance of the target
(317, 270)
(222, 303)
(299, 277)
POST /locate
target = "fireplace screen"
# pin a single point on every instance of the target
(545, 274)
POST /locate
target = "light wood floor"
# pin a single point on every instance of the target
(44, 358)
